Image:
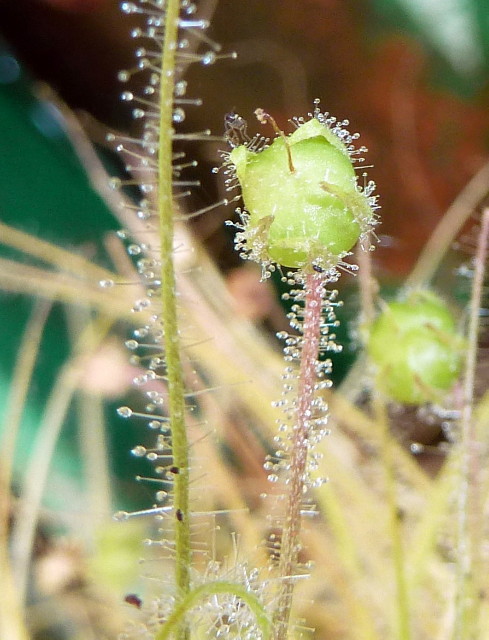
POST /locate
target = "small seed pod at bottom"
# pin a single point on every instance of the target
(301, 194)
(416, 349)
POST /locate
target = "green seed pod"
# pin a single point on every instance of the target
(302, 197)
(416, 349)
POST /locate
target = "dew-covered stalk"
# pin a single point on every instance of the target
(467, 606)
(215, 589)
(176, 400)
(311, 336)
(304, 211)
(189, 594)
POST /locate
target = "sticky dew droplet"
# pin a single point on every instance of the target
(141, 333)
(180, 88)
(208, 58)
(121, 516)
(134, 250)
(128, 7)
(124, 412)
(139, 451)
(142, 304)
(178, 115)
(143, 214)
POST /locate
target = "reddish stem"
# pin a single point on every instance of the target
(311, 333)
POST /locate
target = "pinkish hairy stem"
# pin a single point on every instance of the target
(311, 333)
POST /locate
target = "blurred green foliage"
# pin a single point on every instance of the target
(455, 32)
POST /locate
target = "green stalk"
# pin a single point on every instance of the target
(36, 470)
(176, 399)
(211, 589)
(388, 461)
(11, 606)
(289, 550)
(467, 605)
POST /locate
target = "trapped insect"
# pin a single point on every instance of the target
(235, 129)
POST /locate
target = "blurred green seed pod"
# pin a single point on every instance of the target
(416, 349)
(303, 203)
